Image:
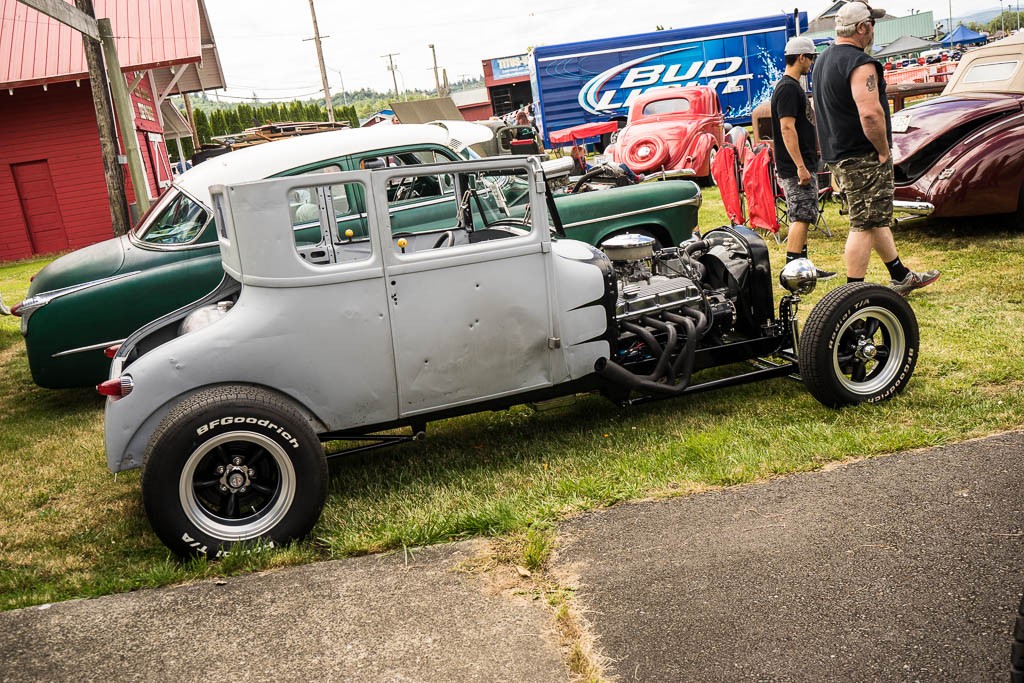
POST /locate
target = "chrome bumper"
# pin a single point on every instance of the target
(913, 208)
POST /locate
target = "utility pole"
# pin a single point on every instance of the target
(344, 95)
(323, 70)
(116, 195)
(123, 109)
(191, 121)
(437, 82)
(391, 68)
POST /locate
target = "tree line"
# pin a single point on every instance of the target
(236, 118)
(1007, 21)
(242, 116)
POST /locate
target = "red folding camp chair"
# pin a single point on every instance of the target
(725, 168)
(760, 188)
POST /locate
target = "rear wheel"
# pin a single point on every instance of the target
(709, 179)
(860, 344)
(233, 464)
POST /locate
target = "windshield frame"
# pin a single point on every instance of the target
(136, 235)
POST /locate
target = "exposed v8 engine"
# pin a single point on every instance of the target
(224, 403)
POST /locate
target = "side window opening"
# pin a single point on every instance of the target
(324, 226)
(479, 210)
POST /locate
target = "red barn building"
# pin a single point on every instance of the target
(53, 195)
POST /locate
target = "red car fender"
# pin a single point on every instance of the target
(700, 157)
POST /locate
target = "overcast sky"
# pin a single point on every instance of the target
(262, 49)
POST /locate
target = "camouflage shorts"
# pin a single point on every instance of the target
(868, 188)
(801, 200)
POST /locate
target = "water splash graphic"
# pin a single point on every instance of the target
(772, 73)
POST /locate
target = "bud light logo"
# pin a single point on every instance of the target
(616, 88)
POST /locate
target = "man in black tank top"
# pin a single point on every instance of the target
(855, 136)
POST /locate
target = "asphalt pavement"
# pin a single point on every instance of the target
(900, 568)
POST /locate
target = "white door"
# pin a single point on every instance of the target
(470, 320)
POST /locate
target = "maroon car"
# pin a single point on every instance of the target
(672, 129)
(962, 154)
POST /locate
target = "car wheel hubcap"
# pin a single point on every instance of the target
(237, 486)
(870, 350)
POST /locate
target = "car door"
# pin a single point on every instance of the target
(470, 314)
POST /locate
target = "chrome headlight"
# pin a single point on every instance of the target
(799, 276)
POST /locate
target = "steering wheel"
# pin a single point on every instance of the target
(447, 239)
(406, 190)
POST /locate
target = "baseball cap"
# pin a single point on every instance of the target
(852, 13)
(800, 46)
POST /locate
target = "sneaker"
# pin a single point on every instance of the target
(915, 281)
(825, 274)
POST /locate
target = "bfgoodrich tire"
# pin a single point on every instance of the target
(231, 464)
(860, 345)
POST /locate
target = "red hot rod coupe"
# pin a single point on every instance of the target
(675, 128)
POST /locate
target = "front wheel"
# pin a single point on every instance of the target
(860, 345)
(233, 464)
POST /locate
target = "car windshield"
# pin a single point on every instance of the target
(178, 220)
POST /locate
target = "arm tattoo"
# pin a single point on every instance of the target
(871, 83)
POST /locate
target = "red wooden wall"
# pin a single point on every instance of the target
(57, 127)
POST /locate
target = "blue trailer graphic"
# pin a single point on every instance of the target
(597, 80)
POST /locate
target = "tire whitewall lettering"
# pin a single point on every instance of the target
(860, 345)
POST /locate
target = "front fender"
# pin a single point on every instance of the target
(700, 153)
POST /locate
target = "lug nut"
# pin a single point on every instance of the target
(223, 488)
(237, 460)
(241, 490)
(252, 472)
(220, 469)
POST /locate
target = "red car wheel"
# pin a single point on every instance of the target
(646, 154)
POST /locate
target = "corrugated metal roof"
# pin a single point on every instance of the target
(36, 49)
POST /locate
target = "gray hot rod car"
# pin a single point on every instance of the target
(224, 403)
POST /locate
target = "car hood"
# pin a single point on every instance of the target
(94, 262)
(953, 116)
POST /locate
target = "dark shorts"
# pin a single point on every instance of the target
(868, 187)
(801, 200)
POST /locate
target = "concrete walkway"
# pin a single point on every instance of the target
(376, 618)
(901, 568)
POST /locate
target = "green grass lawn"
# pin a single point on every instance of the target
(69, 528)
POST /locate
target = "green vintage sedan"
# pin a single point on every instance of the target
(92, 299)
